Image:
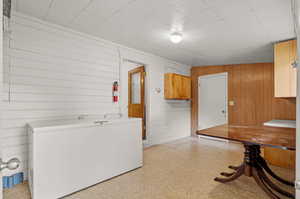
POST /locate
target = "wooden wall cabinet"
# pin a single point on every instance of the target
(285, 78)
(177, 87)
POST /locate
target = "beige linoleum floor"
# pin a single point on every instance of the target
(183, 169)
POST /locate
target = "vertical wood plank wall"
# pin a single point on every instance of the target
(251, 86)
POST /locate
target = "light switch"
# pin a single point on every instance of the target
(231, 103)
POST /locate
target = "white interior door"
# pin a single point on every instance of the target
(212, 100)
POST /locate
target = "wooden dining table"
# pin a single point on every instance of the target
(254, 165)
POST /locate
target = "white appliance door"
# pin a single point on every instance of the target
(212, 100)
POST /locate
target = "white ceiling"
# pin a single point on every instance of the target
(215, 31)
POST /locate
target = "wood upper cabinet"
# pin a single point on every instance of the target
(177, 86)
(285, 78)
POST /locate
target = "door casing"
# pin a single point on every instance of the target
(219, 97)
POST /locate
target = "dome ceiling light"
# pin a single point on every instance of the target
(176, 37)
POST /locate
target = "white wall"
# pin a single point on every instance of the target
(1, 84)
(55, 73)
(169, 120)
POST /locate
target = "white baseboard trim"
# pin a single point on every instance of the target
(167, 140)
(212, 138)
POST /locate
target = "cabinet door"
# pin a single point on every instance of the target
(185, 88)
(280, 157)
(177, 86)
(178, 90)
(182, 86)
(282, 70)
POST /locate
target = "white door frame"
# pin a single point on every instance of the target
(1, 86)
(199, 91)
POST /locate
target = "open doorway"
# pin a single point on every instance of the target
(136, 96)
(133, 92)
(212, 91)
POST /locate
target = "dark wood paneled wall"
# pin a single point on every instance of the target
(251, 86)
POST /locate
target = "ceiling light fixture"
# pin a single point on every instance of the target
(176, 37)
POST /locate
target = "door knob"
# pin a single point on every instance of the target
(12, 164)
(223, 111)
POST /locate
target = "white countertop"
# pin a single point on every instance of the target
(281, 123)
(47, 125)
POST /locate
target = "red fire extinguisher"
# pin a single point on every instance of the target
(115, 91)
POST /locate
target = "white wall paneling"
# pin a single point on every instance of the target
(1, 87)
(51, 72)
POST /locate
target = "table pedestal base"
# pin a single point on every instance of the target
(255, 166)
